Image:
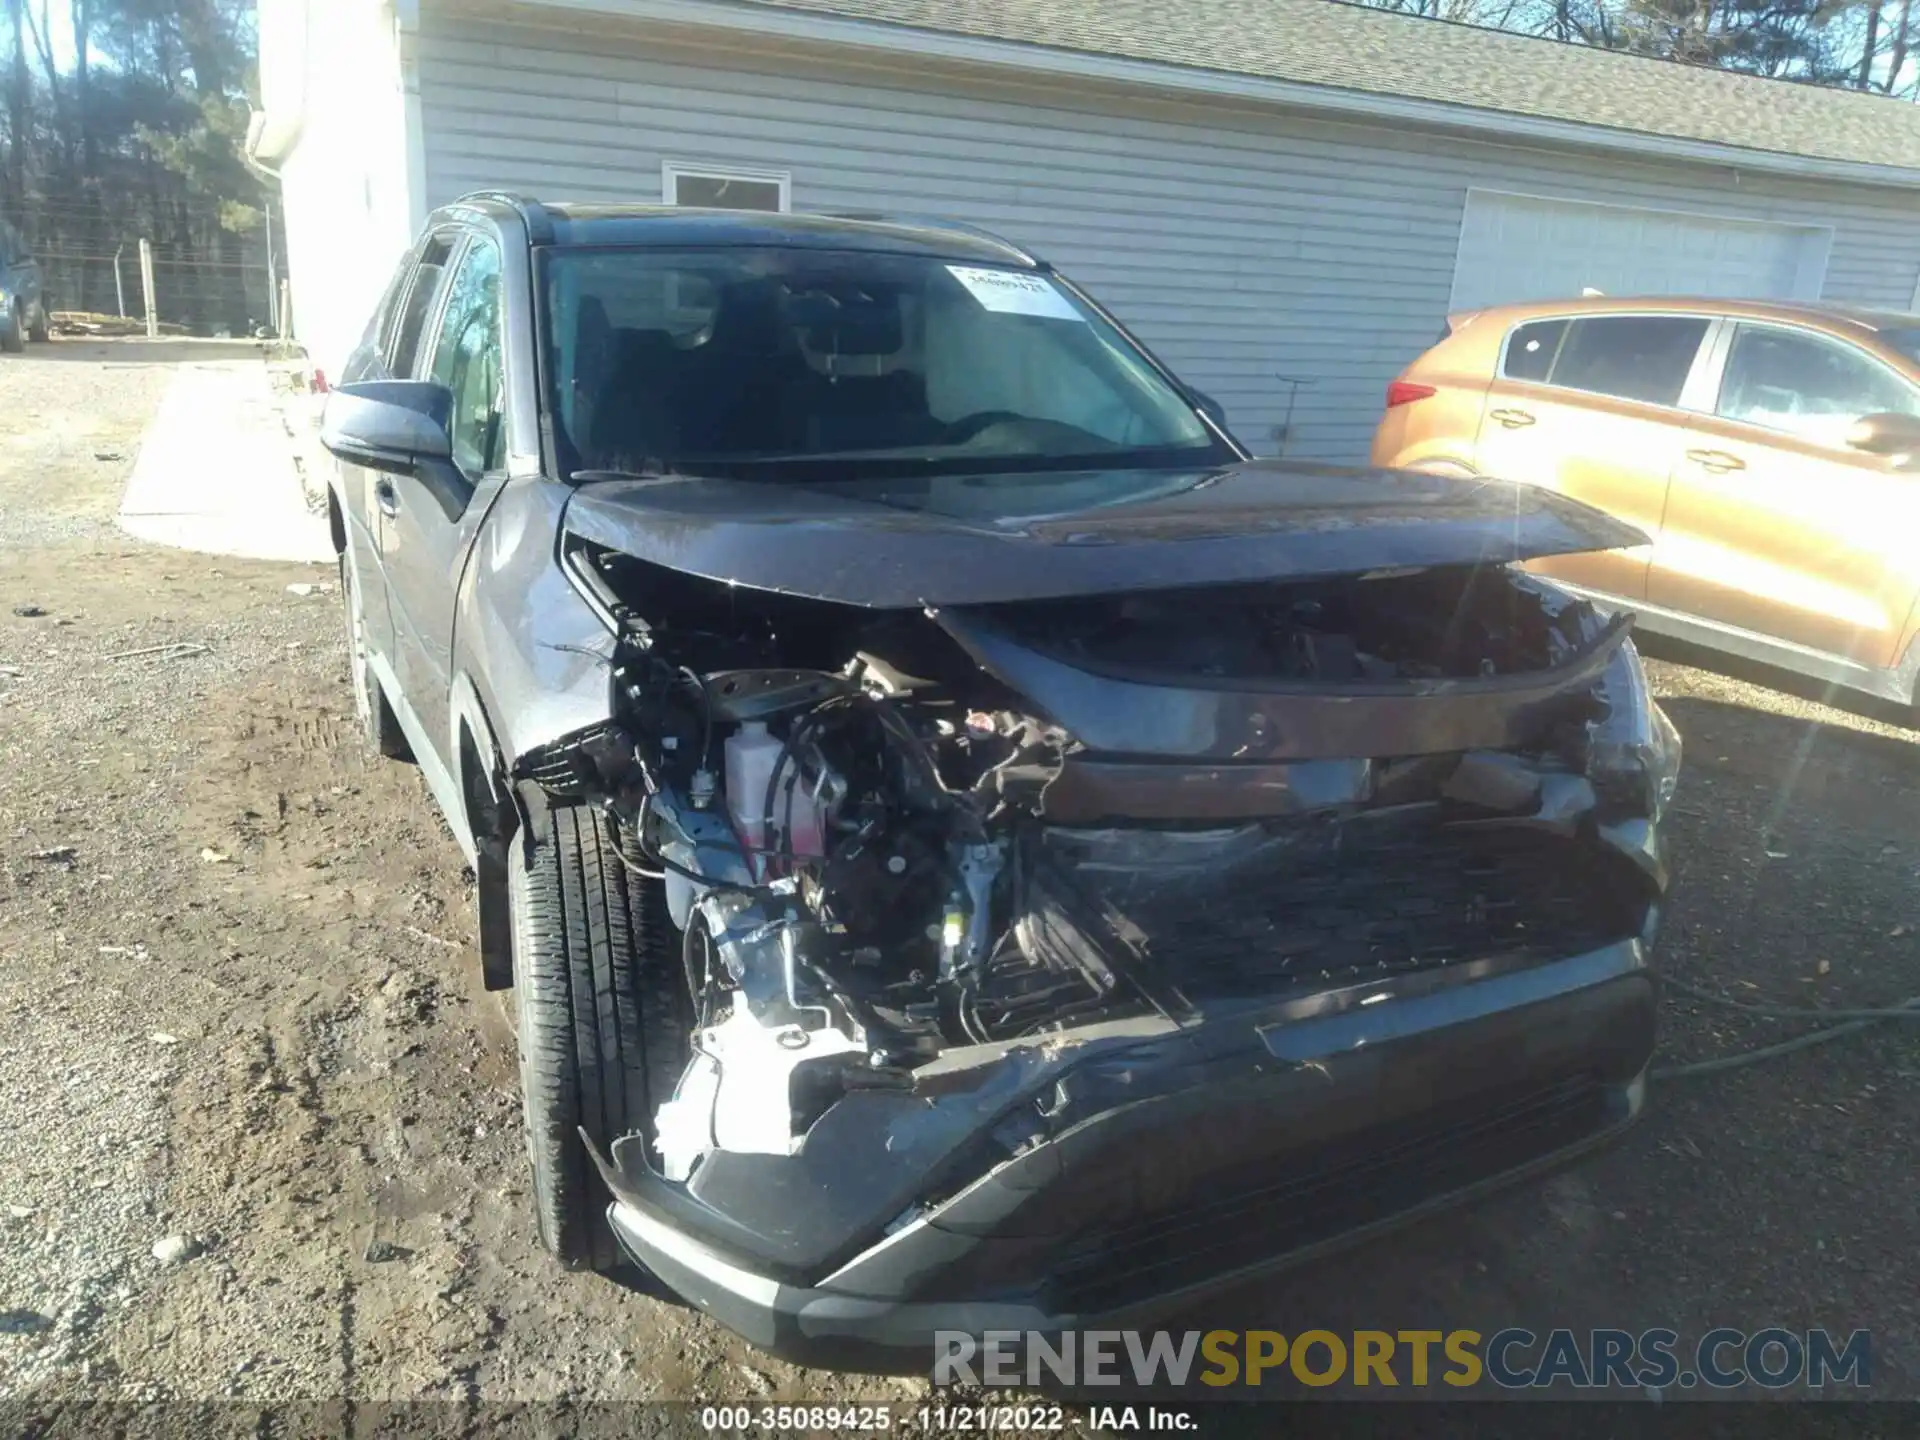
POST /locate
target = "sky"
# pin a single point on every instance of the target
(60, 21)
(60, 18)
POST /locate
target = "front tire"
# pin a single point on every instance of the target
(42, 330)
(13, 339)
(603, 1018)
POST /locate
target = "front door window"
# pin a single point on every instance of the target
(467, 360)
(1807, 385)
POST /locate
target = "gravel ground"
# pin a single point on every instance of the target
(238, 986)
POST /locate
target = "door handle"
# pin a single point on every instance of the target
(1513, 419)
(1717, 462)
(386, 497)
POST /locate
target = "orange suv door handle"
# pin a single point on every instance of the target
(1513, 419)
(1716, 461)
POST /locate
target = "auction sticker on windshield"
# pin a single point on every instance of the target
(1013, 293)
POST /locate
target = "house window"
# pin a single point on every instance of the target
(713, 188)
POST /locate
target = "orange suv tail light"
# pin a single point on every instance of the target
(1405, 392)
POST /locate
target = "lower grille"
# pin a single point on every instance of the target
(1308, 1197)
(1414, 903)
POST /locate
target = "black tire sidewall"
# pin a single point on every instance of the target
(548, 1095)
(595, 1055)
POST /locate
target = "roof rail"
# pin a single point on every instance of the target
(938, 222)
(538, 222)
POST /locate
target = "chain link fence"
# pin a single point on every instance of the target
(201, 297)
(226, 285)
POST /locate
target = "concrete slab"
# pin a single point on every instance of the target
(217, 471)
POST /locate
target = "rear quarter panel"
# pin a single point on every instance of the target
(1438, 433)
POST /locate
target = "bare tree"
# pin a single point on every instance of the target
(83, 82)
(1830, 42)
(1897, 53)
(19, 108)
(1870, 47)
(41, 29)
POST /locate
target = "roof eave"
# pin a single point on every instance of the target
(271, 138)
(1055, 63)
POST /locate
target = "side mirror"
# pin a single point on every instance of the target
(1888, 433)
(393, 425)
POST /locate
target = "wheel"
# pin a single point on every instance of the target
(13, 339)
(603, 1017)
(377, 719)
(42, 330)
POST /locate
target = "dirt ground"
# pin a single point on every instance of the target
(240, 1008)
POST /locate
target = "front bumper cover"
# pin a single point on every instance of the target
(1175, 1163)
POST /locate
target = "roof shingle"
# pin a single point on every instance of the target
(1350, 47)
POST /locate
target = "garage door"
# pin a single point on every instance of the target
(1529, 247)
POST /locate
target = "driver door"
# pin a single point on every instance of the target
(1774, 525)
(429, 522)
(394, 331)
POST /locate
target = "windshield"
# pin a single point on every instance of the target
(769, 362)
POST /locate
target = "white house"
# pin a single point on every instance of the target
(1283, 197)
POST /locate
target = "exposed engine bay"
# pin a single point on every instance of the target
(888, 837)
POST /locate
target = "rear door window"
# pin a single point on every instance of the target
(1531, 348)
(1807, 385)
(1633, 357)
(386, 318)
(405, 345)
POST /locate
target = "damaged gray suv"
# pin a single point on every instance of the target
(969, 846)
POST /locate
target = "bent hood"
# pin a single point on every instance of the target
(988, 539)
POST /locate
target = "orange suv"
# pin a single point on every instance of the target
(1766, 449)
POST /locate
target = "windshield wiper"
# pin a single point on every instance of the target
(903, 464)
(649, 469)
(653, 468)
(693, 464)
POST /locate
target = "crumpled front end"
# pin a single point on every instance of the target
(1062, 961)
(1117, 1181)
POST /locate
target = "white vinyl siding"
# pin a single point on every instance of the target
(1248, 247)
